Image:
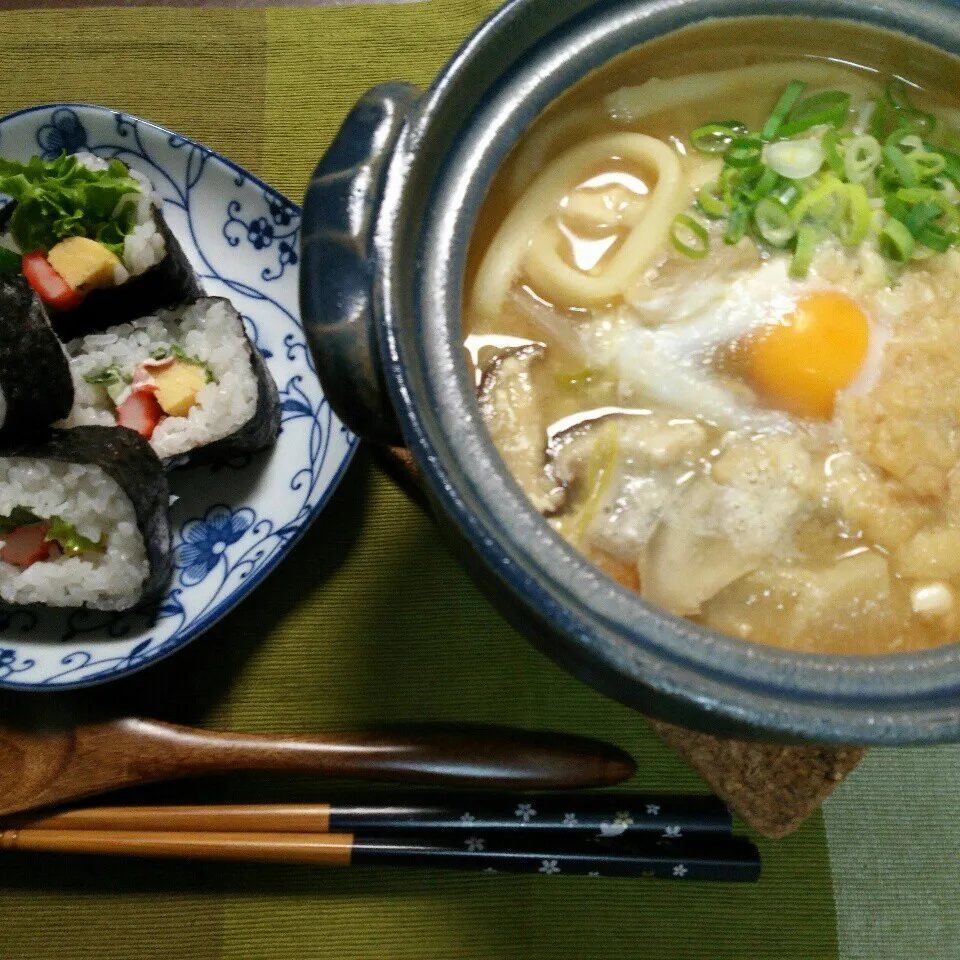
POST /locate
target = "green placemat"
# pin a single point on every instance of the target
(371, 620)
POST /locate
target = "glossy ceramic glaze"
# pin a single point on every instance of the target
(387, 223)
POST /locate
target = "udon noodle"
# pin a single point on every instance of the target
(713, 313)
(522, 242)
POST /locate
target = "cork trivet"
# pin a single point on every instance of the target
(773, 788)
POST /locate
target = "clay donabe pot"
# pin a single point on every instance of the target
(387, 223)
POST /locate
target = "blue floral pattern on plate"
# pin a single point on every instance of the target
(64, 132)
(280, 227)
(243, 239)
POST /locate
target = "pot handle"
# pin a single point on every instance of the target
(338, 273)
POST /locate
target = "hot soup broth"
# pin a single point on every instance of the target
(713, 305)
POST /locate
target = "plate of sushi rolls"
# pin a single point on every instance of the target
(164, 439)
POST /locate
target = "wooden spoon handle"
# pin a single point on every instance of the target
(448, 756)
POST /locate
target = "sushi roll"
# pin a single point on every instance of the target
(35, 383)
(84, 521)
(188, 380)
(88, 235)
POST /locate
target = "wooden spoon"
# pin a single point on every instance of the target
(39, 768)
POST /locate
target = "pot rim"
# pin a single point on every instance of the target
(882, 699)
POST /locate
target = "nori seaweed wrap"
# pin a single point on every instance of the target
(109, 545)
(35, 383)
(141, 265)
(169, 282)
(188, 379)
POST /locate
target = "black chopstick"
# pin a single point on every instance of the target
(716, 858)
(603, 814)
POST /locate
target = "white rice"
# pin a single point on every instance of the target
(91, 161)
(94, 503)
(211, 331)
(144, 246)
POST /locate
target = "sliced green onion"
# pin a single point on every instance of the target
(729, 183)
(878, 120)
(781, 110)
(897, 138)
(824, 204)
(923, 207)
(710, 202)
(861, 156)
(830, 151)
(789, 188)
(916, 121)
(936, 238)
(952, 167)
(896, 241)
(895, 157)
(910, 143)
(763, 184)
(744, 151)
(950, 138)
(855, 225)
(787, 194)
(877, 220)
(795, 159)
(737, 126)
(948, 214)
(773, 222)
(921, 215)
(828, 108)
(896, 93)
(887, 179)
(803, 251)
(737, 225)
(744, 181)
(716, 137)
(896, 207)
(864, 115)
(913, 195)
(926, 165)
(685, 227)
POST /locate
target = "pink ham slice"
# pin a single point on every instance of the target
(140, 412)
(24, 546)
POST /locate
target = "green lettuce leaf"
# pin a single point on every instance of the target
(108, 375)
(19, 517)
(63, 533)
(10, 262)
(70, 541)
(176, 351)
(62, 198)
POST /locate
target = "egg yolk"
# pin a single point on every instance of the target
(801, 363)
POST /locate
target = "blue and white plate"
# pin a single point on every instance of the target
(232, 524)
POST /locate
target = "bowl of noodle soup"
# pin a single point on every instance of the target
(663, 299)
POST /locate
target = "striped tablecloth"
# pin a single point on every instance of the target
(370, 619)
